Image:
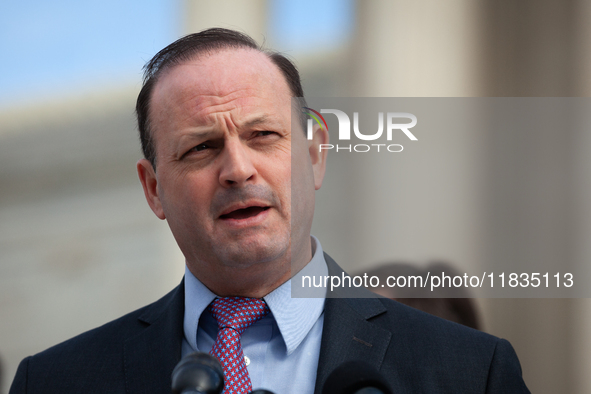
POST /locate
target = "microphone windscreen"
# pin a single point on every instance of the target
(198, 373)
(355, 377)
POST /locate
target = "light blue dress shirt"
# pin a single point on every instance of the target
(283, 347)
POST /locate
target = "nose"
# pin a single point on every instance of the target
(237, 167)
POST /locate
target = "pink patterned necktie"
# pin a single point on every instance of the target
(234, 315)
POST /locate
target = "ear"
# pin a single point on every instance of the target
(149, 182)
(318, 154)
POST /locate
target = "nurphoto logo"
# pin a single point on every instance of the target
(392, 125)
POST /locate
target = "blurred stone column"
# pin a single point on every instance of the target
(500, 48)
(538, 48)
(582, 178)
(249, 17)
(529, 48)
(416, 48)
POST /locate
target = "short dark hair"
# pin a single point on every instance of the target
(188, 47)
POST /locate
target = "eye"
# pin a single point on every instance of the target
(265, 133)
(199, 148)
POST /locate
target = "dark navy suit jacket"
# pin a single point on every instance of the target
(414, 351)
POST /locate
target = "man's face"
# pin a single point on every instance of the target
(222, 130)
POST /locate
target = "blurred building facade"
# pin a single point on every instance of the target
(80, 245)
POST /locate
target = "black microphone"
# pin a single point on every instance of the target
(261, 391)
(355, 377)
(198, 373)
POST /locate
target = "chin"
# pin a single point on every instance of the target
(245, 255)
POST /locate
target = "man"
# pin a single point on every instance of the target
(236, 185)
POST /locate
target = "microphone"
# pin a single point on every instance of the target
(198, 373)
(355, 377)
(261, 391)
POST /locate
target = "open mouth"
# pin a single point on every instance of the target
(244, 213)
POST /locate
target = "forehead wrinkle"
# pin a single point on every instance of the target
(232, 75)
(226, 74)
(227, 68)
(191, 95)
(232, 101)
(236, 108)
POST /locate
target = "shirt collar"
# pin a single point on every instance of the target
(295, 317)
(197, 299)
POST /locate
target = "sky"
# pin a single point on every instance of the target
(60, 47)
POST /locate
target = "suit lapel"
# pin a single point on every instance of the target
(151, 355)
(348, 333)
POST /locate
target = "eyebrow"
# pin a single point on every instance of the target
(208, 132)
(199, 134)
(256, 121)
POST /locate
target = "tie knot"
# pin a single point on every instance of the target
(238, 312)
